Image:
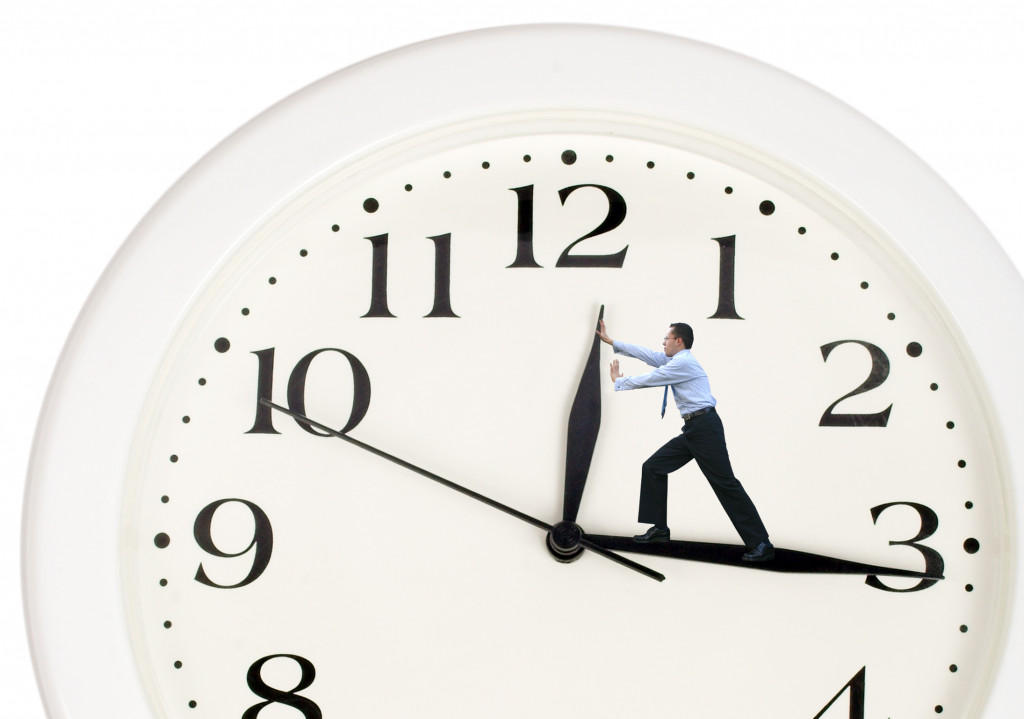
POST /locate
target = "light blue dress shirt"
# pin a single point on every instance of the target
(690, 386)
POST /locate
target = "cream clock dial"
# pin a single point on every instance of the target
(364, 459)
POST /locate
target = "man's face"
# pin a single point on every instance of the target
(671, 343)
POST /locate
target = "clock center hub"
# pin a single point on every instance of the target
(563, 541)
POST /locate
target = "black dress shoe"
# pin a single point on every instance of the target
(654, 534)
(763, 552)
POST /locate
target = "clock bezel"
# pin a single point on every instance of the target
(73, 500)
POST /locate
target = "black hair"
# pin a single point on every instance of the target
(684, 332)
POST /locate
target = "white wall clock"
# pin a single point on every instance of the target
(414, 253)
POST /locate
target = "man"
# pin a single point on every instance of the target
(703, 439)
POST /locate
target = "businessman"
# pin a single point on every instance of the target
(702, 439)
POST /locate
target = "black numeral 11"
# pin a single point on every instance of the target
(442, 277)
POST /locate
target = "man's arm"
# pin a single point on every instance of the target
(657, 378)
(654, 359)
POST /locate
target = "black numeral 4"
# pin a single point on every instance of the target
(856, 687)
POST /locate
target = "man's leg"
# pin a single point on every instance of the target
(654, 480)
(706, 440)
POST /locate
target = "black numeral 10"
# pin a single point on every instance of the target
(264, 421)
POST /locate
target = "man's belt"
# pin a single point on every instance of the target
(698, 413)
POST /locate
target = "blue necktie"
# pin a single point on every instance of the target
(664, 402)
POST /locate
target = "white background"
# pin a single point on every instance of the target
(104, 104)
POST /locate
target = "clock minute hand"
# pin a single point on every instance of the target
(597, 549)
(786, 560)
(584, 424)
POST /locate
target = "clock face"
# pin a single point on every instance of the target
(306, 453)
(437, 300)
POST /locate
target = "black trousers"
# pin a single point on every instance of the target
(703, 439)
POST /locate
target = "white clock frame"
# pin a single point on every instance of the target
(73, 501)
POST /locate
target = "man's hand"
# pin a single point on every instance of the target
(615, 370)
(603, 334)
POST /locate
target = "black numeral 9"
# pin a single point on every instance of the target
(261, 546)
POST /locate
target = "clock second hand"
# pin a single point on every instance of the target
(597, 549)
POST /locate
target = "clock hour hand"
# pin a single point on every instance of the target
(786, 560)
(584, 424)
(597, 549)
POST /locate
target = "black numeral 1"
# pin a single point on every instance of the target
(726, 279)
(524, 228)
(442, 276)
(379, 278)
(264, 423)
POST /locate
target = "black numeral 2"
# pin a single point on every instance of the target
(878, 375)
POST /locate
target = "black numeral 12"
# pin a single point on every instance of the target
(613, 218)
